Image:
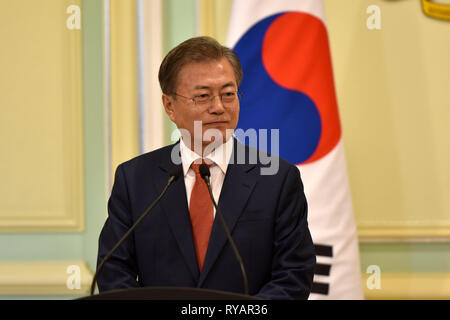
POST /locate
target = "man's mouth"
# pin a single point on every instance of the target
(215, 123)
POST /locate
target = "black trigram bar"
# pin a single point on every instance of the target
(323, 250)
(320, 288)
(322, 269)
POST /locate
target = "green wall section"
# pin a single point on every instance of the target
(37, 247)
(406, 257)
(179, 24)
(94, 128)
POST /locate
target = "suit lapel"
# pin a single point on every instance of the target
(237, 187)
(176, 210)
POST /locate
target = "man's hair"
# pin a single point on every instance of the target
(198, 49)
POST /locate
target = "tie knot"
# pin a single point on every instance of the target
(196, 166)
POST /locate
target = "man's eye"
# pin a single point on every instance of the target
(228, 97)
(202, 97)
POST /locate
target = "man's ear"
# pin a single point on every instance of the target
(168, 103)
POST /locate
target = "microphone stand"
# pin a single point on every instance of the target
(205, 174)
(173, 176)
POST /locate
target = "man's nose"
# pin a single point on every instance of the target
(217, 105)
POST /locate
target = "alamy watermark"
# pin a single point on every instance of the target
(73, 22)
(73, 281)
(214, 138)
(374, 280)
(373, 22)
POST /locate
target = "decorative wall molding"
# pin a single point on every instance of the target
(402, 232)
(409, 286)
(44, 278)
(41, 131)
(50, 278)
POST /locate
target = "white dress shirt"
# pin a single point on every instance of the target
(220, 158)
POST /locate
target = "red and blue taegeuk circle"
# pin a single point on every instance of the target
(288, 85)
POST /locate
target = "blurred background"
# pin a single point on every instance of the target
(79, 95)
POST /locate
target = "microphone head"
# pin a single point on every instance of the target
(176, 173)
(204, 171)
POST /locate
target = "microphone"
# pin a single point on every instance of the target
(205, 174)
(174, 175)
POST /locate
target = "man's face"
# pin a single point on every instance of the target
(202, 79)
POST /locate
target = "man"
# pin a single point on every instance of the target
(180, 243)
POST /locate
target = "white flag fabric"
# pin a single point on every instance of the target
(288, 85)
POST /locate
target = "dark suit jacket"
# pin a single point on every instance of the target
(266, 215)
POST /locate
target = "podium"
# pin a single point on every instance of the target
(168, 293)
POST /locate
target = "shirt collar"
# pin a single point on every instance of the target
(220, 156)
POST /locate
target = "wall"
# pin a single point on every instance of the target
(52, 110)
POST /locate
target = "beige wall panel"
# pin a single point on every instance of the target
(214, 17)
(124, 77)
(41, 123)
(392, 86)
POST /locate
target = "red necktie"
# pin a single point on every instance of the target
(201, 212)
